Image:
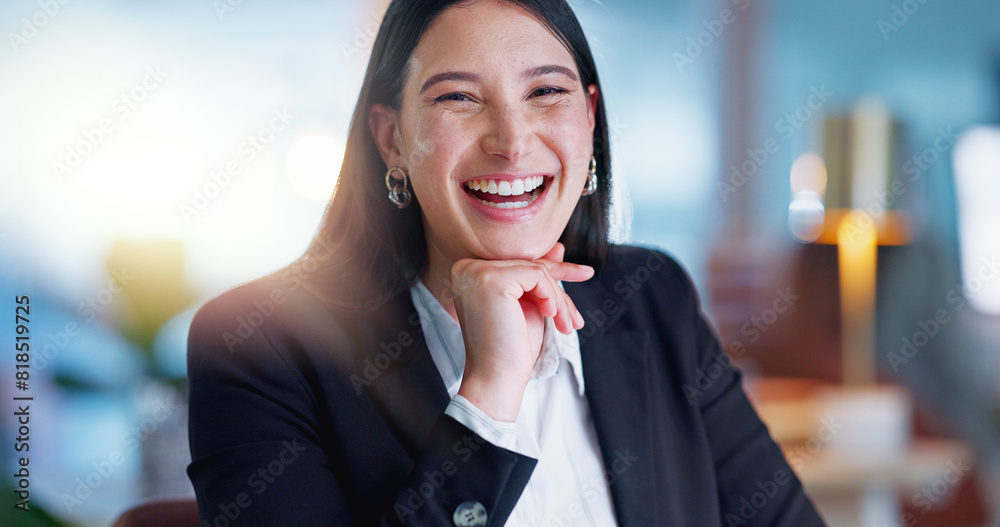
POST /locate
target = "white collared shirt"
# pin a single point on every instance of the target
(568, 486)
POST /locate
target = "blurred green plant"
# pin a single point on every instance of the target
(152, 291)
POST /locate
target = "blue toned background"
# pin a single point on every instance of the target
(153, 154)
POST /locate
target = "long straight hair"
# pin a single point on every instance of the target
(366, 249)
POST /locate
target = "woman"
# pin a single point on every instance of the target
(423, 364)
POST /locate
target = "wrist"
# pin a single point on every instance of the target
(500, 399)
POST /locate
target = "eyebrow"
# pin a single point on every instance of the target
(547, 69)
(472, 77)
(449, 76)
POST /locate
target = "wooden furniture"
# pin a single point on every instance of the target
(176, 512)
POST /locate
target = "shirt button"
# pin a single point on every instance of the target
(470, 514)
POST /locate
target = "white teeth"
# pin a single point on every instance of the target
(506, 188)
(517, 187)
(507, 205)
(513, 204)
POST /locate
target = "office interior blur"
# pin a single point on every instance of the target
(827, 172)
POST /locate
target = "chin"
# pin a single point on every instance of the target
(516, 249)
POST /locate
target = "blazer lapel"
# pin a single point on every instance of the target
(614, 368)
(407, 385)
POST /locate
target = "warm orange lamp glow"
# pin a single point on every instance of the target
(857, 249)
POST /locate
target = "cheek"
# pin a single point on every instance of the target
(570, 137)
(420, 146)
(443, 141)
(566, 134)
(421, 150)
(433, 151)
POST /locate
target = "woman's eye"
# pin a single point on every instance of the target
(548, 90)
(452, 97)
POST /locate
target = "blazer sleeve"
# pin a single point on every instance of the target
(259, 458)
(756, 485)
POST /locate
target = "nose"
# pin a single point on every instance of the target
(509, 135)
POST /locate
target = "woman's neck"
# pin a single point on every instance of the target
(437, 277)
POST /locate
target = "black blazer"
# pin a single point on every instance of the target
(300, 417)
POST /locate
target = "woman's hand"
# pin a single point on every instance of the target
(500, 306)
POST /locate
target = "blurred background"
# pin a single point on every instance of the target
(828, 172)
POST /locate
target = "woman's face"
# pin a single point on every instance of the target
(495, 131)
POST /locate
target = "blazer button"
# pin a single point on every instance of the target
(470, 514)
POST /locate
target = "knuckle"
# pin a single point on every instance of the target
(487, 280)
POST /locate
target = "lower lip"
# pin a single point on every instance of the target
(510, 215)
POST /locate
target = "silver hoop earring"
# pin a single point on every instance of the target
(591, 186)
(399, 195)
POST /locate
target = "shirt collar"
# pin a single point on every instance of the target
(447, 348)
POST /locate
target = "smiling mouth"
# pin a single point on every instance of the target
(504, 194)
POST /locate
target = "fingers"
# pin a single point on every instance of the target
(541, 291)
(568, 272)
(551, 300)
(563, 270)
(536, 282)
(577, 317)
